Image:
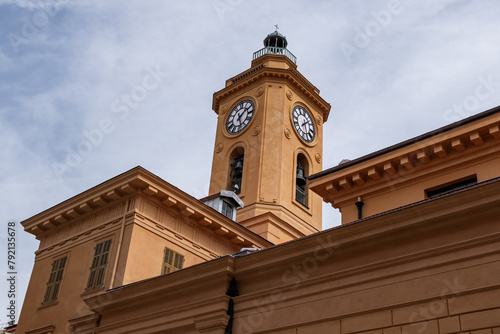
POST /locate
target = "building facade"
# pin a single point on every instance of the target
(418, 250)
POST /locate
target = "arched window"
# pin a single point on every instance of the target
(301, 172)
(236, 170)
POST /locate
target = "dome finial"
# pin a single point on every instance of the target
(275, 43)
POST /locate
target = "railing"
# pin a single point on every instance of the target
(275, 50)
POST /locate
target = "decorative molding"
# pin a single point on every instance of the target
(256, 130)
(56, 234)
(319, 120)
(43, 330)
(81, 228)
(318, 158)
(70, 222)
(416, 157)
(292, 76)
(211, 323)
(260, 91)
(163, 219)
(219, 148)
(289, 95)
(85, 324)
(288, 134)
(246, 73)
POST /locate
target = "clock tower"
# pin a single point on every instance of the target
(269, 139)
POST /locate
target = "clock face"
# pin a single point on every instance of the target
(240, 116)
(303, 124)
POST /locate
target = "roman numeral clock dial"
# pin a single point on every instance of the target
(240, 117)
(303, 124)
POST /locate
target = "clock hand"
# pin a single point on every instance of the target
(240, 116)
(303, 126)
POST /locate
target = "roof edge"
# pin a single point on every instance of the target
(407, 142)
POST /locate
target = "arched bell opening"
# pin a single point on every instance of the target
(275, 40)
(301, 173)
(235, 177)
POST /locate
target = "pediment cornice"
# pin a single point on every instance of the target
(141, 182)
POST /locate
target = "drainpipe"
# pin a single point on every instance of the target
(359, 205)
(231, 292)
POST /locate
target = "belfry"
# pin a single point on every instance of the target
(269, 139)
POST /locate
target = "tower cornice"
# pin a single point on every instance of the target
(259, 73)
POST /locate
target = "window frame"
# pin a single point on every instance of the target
(97, 269)
(227, 209)
(53, 286)
(452, 186)
(238, 153)
(172, 261)
(301, 159)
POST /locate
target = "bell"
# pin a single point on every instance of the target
(238, 166)
(300, 179)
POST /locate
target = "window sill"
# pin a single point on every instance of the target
(89, 292)
(304, 207)
(48, 304)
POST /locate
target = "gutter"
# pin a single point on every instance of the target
(407, 142)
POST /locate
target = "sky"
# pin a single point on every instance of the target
(90, 89)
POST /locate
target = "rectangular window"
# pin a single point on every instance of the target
(172, 261)
(55, 279)
(227, 209)
(98, 267)
(446, 188)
